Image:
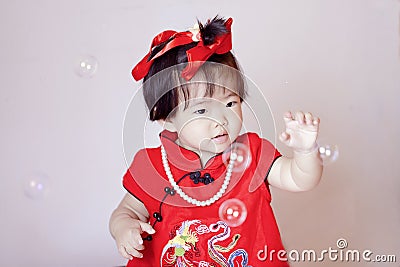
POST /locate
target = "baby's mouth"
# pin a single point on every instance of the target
(221, 138)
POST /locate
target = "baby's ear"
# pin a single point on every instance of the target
(167, 125)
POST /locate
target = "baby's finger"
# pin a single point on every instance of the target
(316, 121)
(309, 118)
(284, 137)
(139, 247)
(137, 241)
(299, 116)
(288, 116)
(135, 237)
(133, 252)
(147, 228)
(123, 252)
(136, 244)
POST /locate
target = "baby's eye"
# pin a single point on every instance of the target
(231, 104)
(200, 111)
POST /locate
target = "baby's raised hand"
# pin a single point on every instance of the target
(301, 131)
(129, 240)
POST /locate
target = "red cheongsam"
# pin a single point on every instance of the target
(187, 235)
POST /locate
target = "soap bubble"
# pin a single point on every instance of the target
(36, 185)
(328, 153)
(240, 153)
(86, 66)
(233, 212)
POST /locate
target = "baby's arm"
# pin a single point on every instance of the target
(128, 221)
(303, 171)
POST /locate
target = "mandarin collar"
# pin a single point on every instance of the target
(186, 159)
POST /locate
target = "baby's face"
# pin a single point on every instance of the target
(208, 124)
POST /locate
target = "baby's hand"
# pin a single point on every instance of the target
(301, 131)
(129, 240)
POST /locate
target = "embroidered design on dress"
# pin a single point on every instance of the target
(180, 248)
(215, 253)
(183, 241)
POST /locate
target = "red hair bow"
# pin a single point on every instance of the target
(196, 55)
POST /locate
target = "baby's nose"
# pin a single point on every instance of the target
(221, 120)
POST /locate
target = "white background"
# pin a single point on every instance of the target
(339, 59)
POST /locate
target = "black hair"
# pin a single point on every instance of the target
(163, 84)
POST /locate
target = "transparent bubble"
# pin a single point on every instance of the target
(328, 153)
(86, 66)
(241, 155)
(233, 212)
(36, 185)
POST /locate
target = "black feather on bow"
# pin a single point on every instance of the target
(212, 29)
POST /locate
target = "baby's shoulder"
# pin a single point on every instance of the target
(146, 155)
(149, 150)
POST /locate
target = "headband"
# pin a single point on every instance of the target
(196, 55)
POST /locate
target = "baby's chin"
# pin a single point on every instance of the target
(213, 151)
(222, 149)
(209, 147)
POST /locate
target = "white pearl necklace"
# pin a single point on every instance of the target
(189, 199)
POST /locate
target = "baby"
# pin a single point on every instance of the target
(193, 87)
